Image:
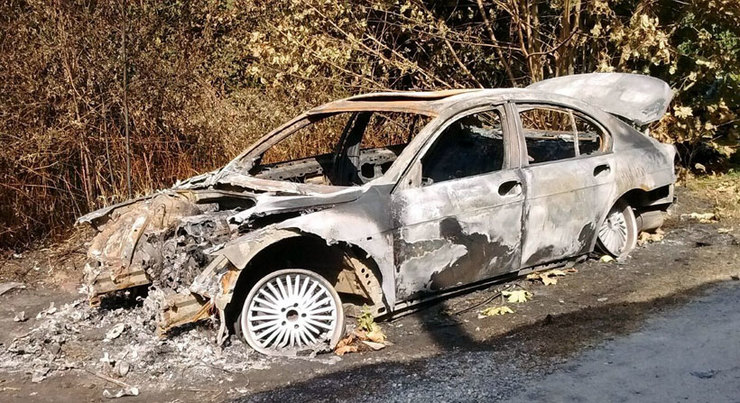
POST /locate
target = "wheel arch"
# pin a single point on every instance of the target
(349, 268)
(639, 198)
(649, 205)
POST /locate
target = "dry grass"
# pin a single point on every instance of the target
(722, 189)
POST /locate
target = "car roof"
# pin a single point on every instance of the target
(431, 103)
(423, 102)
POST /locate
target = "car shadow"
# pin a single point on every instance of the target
(500, 363)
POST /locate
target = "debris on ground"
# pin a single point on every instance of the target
(115, 331)
(606, 259)
(494, 311)
(517, 296)
(20, 317)
(12, 285)
(704, 218)
(550, 277)
(650, 237)
(76, 336)
(51, 310)
(367, 336)
(126, 389)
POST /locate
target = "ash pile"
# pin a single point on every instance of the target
(115, 342)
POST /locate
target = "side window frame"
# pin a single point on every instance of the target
(411, 176)
(572, 112)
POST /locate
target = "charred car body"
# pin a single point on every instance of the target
(389, 199)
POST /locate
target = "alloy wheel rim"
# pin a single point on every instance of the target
(291, 311)
(613, 232)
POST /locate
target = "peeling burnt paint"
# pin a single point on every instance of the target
(483, 260)
(199, 239)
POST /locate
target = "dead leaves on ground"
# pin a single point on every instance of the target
(517, 296)
(494, 311)
(551, 276)
(360, 340)
(704, 218)
(648, 237)
(606, 259)
(512, 297)
(367, 337)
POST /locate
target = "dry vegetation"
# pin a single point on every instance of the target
(197, 81)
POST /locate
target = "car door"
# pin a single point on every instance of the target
(568, 175)
(458, 210)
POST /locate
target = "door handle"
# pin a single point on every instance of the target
(602, 169)
(510, 188)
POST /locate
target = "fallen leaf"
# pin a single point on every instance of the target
(647, 237)
(703, 218)
(548, 280)
(368, 334)
(376, 336)
(547, 277)
(606, 259)
(373, 345)
(494, 311)
(517, 296)
(345, 349)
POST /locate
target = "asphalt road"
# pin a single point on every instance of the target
(688, 354)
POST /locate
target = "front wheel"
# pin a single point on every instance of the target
(292, 310)
(618, 232)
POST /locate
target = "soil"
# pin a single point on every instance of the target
(444, 351)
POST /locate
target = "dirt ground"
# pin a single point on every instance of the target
(63, 352)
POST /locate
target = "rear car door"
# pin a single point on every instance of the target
(458, 210)
(568, 174)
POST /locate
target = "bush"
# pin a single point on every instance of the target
(201, 80)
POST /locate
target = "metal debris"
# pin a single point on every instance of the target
(115, 331)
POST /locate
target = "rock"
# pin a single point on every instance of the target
(39, 374)
(20, 317)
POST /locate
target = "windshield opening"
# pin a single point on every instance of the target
(339, 149)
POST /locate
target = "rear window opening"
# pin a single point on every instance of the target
(553, 134)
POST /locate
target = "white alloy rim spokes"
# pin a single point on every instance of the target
(291, 311)
(613, 233)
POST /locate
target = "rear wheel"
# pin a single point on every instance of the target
(292, 310)
(618, 232)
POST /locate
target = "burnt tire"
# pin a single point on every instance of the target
(618, 232)
(289, 311)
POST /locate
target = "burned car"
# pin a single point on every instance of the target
(387, 200)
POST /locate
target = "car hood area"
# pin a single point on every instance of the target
(168, 238)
